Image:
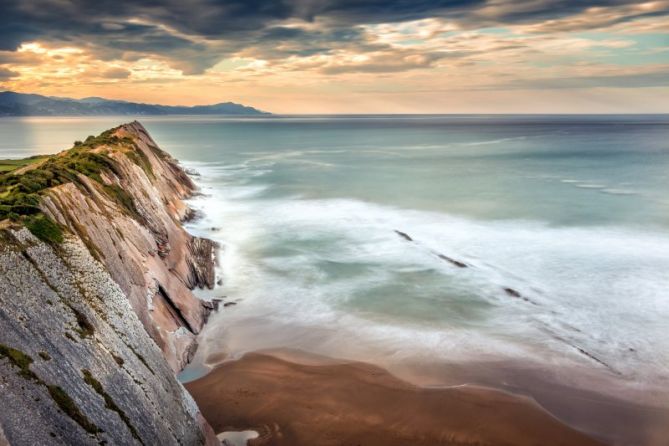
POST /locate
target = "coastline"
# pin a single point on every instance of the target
(562, 401)
(97, 312)
(603, 416)
(328, 402)
(260, 388)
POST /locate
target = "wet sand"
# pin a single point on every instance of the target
(296, 404)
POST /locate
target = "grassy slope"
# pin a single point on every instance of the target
(21, 190)
(9, 165)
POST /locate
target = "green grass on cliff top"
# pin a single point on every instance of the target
(22, 192)
(9, 165)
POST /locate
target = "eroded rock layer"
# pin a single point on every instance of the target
(145, 249)
(93, 329)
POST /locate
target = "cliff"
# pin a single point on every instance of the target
(96, 305)
(130, 220)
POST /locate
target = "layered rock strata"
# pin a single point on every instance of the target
(94, 328)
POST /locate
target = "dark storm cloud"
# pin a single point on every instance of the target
(334, 34)
(195, 34)
(302, 42)
(380, 11)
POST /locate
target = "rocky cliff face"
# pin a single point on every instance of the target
(93, 329)
(143, 246)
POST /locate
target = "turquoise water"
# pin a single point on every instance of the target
(572, 213)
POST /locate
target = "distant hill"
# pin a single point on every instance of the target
(20, 104)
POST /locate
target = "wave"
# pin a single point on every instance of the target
(613, 191)
(494, 141)
(590, 186)
(600, 187)
(317, 274)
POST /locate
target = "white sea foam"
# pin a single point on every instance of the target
(237, 438)
(590, 186)
(331, 276)
(613, 191)
(495, 141)
(603, 188)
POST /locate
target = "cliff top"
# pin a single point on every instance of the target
(24, 182)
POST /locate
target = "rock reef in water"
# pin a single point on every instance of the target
(94, 327)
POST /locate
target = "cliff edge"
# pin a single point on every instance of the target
(96, 305)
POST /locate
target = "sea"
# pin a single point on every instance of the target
(403, 240)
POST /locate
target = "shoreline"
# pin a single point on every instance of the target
(577, 399)
(598, 416)
(326, 401)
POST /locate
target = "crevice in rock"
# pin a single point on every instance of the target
(174, 310)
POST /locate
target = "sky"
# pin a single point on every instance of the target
(345, 56)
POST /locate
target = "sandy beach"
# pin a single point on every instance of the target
(292, 403)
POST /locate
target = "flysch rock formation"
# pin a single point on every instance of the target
(150, 255)
(94, 329)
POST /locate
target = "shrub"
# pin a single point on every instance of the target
(20, 360)
(20, 194)
(44, 229)
(139, 157)
(118, 194)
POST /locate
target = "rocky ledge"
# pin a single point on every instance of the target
(97, 312)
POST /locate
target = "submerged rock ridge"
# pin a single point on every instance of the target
(97, 311)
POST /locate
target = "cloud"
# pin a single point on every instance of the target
(7, 74)
(116, 73)
(596, 17)
(16, 57)
(195, 35)
(340, 49)
(658, 78)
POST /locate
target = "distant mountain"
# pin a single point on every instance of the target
(20, 104)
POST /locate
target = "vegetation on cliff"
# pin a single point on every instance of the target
(8, 165)
(23, 183)
(109, 402)
(44, 228)
(59, 396)
(65, 403)
(20, 360)
(88, 349)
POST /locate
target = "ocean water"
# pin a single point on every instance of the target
(562, 221)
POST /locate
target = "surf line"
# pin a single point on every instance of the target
(516, 294)
(460, 264)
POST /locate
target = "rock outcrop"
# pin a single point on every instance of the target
(93, 329)
(145, 249)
